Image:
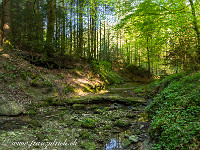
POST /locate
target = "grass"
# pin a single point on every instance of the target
(175, 111)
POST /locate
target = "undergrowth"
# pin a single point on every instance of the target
(175, 111)
(104, 69)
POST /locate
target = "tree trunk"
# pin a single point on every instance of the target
(81, 28)
(196, 28)
(100, 54)
(50, 27)
(70, 50)
(148, 56)
(88, 53)
(63, 29)
(6, 22)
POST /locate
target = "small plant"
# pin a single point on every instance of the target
(47, 83)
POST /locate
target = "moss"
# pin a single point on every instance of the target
(106, 108)
(88, 123)
(35, 123)
(121, 123)
(107, 127)
(126, 143)
(88, 145)
(93, 107)
(31, 112)
(137, 132)
(85, 134)
(40, 136)
(98, 111)
(78, 106)
(131, 115)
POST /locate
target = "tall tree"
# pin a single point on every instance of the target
(6, 22)
(196, 27)
(51, 4)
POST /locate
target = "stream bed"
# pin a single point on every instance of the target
(103, 124)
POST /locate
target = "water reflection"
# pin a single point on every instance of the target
(115, 143)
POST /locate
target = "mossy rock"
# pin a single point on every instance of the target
(88, 145)
(137, 132)
(121, 123)
(51, 101)
(136, 101)
(107, 127)
(40, 136)
(35, 124)
(78, 106)
(88, 123)
(131, 115)
(93, 107)
(98, 111)
(84, 134)
(126, 143)
(133, 138)
(68, 120)
(106, 98)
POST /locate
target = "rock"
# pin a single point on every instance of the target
(98, 111)
(126, 143)
(40, 136)
(147, 145)
(121, 123)
(78, 106)
(35, 124)
(88, 123)
(133, 138)
(10, 107)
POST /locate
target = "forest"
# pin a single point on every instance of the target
(100, 74)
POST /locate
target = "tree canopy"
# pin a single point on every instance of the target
(161, 35)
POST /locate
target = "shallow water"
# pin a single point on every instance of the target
(115, 143)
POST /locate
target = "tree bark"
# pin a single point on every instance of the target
(6, 22)
(196, 28)
(50, 27)
(63, 29)
(70, 50)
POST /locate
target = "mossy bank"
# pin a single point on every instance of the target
(175, 111)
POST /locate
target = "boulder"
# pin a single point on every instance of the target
(133, 138)
(10, 107)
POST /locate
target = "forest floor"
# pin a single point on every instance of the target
(70, 105)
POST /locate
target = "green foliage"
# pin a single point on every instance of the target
(9, 72)
(175, 112)
(104, 68)
(31, 112)
(155, 87)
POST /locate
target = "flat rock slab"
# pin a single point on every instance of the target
(107, 98)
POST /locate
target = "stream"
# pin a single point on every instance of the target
(106, 123)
